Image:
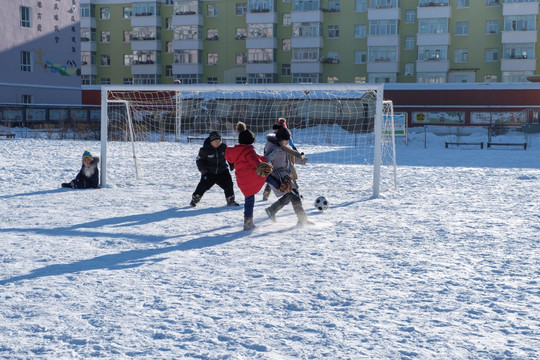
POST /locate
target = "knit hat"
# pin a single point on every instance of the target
(87, 154)
(245, 136)
(214, 135)
(283, 133)
(281, 122)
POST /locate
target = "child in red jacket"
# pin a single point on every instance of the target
(246, 162)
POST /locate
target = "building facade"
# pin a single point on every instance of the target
(308, 41)
(40, 52)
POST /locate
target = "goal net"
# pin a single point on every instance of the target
(338, 124)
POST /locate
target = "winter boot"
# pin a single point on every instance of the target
(248, 223)
(231, 202)
(195, 200)
(300, 213)
(272, 210)
(266, 192)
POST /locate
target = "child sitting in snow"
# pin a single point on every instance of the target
(88, 176)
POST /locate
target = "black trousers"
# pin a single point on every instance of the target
(223, 179)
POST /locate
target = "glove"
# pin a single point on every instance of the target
(286, 184)
(264, 169)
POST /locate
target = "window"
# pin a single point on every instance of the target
(241, 58)
(128, 11)
(105, 60)
(256, 31)
(128, 59)
(433, 26)
(146, 57)
(382, 53)
(168, 71)
(128, 81)
(212, 11)
(145, 33)
(493, 2)
(383, 27)
(189, 78)
(360, 5)
(212, 80)
(260, 78)
(360, 31)
(105, 36)
(432, 53)
(169, 2)
(105, 13)
(105, 81)
(212, 34)
(490, 78)
(146, 79)
(212, 58)
(88, 11)
(264, 56)
(260, 6)
(240, 80)
(146, 9)
(27, 99)
(462, 28)
(241, 9)
(128, 35)
(334, 5)
(186, 56)
(88, 34)
(409, 69)
(333, 31)
(461, 55)
(286, 20)
(286, 45)
(26, 16)
(492, 27)
(26, 61)
(88, 58)
(491, 55)
(359, 79)
(241, 34)
(332, 79)
(88, 80)
(409, 42)
(286, 70)
(518, 51)
(462, 4)
(306, 78)
(305, 54)
(410, 17)
(380, 78)
(169, 47)
(519, 23)
(359, 57)
(186, 32)
(168, 23)
(306, 29)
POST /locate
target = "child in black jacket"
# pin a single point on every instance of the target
(214, 170)
(88, 176)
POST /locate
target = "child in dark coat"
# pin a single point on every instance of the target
(214, 170)
(88, 176)
(246, 162)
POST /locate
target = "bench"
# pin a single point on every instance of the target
(190, 138)
(481, 144)
(7, 135)
(490, 144)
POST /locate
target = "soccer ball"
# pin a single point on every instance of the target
(321, 203)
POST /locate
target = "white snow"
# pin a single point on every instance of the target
(447, 267)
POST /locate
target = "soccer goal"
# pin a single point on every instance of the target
(344, 124)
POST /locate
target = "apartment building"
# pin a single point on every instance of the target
(40, 52)
(314, 41)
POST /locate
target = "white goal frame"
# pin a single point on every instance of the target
(381, 108)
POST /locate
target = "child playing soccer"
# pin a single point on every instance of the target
(214, 170)
(250, 174)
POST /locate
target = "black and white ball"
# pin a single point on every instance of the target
(321, 203)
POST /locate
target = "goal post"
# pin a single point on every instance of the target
(334, 123)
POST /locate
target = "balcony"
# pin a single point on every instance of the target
(328, 60)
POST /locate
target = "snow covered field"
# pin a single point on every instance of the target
(448, 267)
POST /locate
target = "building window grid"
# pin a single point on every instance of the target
(333, 31)
(25, 16)
(492, 27)
(462, 28)
(26, 61)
